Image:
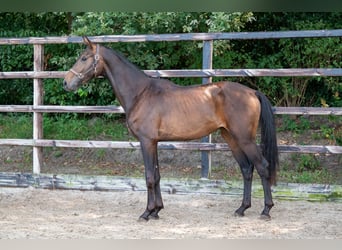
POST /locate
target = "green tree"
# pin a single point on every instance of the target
(20, 57)
(272, 53)
(158, 55)
(161, 55)
(291, 53)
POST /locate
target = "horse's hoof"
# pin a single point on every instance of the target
(265, 217)
(237, 214)
(154, 217)
(142, 219)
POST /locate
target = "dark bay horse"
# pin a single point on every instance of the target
(159, 110)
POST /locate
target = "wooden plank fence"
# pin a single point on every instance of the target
(38, 108)
(193, 73)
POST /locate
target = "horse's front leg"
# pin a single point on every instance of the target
(154, 198)
(157, 192)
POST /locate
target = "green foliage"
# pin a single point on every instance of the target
(149, 55)
(297, 124)
(292, 53)
(16, 126)
(24, 24)
(305, 168)
(269, 53)
(332, 133)
(318, 176)
(162, 55)
(338, 136)
(307, 162)
(16, 58)
(63, 128)
(20, 57)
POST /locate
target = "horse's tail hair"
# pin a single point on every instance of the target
(268, 137)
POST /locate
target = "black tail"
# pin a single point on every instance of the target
(268, 136)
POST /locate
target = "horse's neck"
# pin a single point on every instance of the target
(128, 82)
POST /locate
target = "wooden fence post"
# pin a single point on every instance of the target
(207, 63)
(38, 92)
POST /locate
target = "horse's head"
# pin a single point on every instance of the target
(87, 66)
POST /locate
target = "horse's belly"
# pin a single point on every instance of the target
(185, 129)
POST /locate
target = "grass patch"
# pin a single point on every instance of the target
(317, 176)
(325, 127)
(61, 127)
(16, 126)
(85, 129)
(305, 168)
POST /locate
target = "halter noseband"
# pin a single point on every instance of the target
(96, 59)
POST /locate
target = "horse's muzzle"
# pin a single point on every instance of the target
(65, 86)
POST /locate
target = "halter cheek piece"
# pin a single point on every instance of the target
(96, 59)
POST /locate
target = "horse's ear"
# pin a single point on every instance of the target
(87, 42)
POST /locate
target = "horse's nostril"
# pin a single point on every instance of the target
(65, 85)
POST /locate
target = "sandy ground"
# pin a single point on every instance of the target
(28, 213)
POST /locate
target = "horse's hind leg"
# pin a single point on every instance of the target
(246, 169)
(254, 155)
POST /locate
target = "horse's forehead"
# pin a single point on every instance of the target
(86, 52)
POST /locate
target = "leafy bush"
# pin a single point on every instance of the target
(20, 57)
(270, 53)
(293, 53)
(162, 55)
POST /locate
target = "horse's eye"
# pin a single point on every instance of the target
(84, 58)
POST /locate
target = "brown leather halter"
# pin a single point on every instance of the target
(96, 60)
